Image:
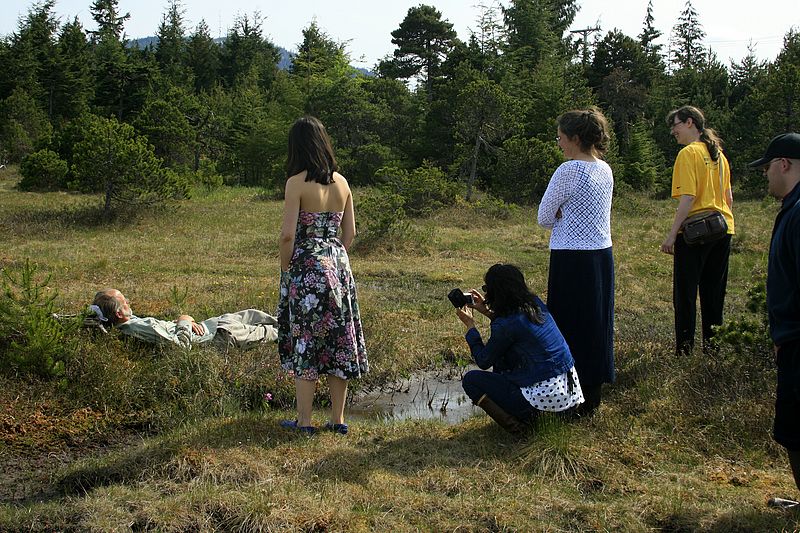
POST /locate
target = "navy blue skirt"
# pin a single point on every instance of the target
(580, 296)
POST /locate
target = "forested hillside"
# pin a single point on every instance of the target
(76, 102)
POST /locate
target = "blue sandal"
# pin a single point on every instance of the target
(292, 424)
(341, 429)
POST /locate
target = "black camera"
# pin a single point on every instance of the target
(460, 298)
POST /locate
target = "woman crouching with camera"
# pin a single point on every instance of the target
(532, 368)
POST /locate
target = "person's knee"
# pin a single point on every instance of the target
(471, 383)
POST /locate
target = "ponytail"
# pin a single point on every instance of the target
(708, 136)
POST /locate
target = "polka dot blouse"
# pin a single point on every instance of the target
(553, 394)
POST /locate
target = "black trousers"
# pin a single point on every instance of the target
(702, 267)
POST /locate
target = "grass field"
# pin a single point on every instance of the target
(146, 439)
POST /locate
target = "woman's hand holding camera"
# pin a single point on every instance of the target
(465, 315)
(479, 304)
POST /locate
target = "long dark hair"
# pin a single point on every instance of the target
(310, 149)
(589, 125)
(707, 135)
(507, 293)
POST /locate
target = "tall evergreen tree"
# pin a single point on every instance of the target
(535, 28)
(490, 35)
(650, 33)
(246, 54)
(486, 115)
(686, 42)
(74, 86)
(782, 87)
(33, 55)
(423, 41)
(171, 46)
(109, 21)
(24, 127)
(202, 58)
(318, 54)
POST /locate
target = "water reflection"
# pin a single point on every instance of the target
(426, 395)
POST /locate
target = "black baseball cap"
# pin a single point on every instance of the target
(785, 145)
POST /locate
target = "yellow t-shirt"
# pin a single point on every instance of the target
(697, 175)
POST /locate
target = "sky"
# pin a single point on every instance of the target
(365, 25)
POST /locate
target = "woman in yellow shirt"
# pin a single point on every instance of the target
(701, 181)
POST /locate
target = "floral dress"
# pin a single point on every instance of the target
(319, 325)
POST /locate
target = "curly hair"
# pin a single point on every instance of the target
(507, 293)
(310, 149)
(589, 125)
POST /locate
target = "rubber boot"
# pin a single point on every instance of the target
(506, 421)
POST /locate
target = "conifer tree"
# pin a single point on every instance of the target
(650, 33)
(423, 42)
(74, 86)
(171, 47)
(202, 58)
(686, 42)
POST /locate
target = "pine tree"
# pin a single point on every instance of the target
(32, 55)
(109, 22)
(686, 42)
(202, 58)
(74, 85)
(642, 159)
(113, 160)
(319, 55)
(24, 127)
(171, 47)
(246, 54)
(423, 41)
(649, 33)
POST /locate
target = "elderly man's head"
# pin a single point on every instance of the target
(114, 305)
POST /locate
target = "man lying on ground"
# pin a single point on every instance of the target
(242, 329)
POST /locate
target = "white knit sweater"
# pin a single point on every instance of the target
(582, 191)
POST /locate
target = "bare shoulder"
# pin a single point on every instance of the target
(294, 182)
(340, 179)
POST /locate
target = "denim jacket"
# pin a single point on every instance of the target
(525, 352)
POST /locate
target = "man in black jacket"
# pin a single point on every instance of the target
(781, 166)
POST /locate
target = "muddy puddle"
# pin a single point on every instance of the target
(427, 395)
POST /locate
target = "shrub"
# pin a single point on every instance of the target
(750, 334)
(112, 159)
(523, 169)
(360, 164)
(32, 339)
(24, 126)
(423, 190)
(380, 216)
(494, 208)
(207, 178)
(42, 170)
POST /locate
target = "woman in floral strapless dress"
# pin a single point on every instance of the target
(319, 325)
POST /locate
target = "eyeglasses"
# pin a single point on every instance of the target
(672, 126)
(766, 167)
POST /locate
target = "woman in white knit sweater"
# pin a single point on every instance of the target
(580, 286)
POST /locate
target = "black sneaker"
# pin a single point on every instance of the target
(341, 429)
